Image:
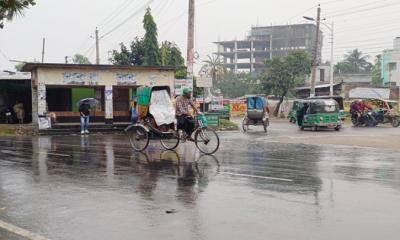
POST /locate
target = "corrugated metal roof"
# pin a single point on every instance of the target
(28, 67)
(369, 93)
(15, 76)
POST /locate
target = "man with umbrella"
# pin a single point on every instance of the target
(84, 110)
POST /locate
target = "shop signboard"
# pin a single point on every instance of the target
(181, 84)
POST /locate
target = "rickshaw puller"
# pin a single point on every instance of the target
(184, 119)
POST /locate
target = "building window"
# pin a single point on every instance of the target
(322, 75)
(392, 66)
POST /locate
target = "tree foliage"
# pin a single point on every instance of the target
(171, 55)
(354, 62)
(18, 67)
(12, 8)
(80, 59)
(285, 73)
(376, 71)
(214, 67)
(151, 51)
(129, 57)
(238, 85)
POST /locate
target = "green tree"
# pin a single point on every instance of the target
(343, 67)
(214, 67)
(80, 59)
(12, 8)
(171, 55)
(129, 57)
(377, 71)
(355, 62)
(285, 73)
(19, 66)
(151, 50)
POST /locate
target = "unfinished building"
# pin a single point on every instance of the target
(265, 43)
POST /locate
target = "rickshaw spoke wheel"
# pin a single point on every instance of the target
(170, 142)
(245, 125)
(206, 140)
(138, 138)
(266, 124)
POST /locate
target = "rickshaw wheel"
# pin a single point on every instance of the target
(170, 142)
(266, 124)
(206, 140)
(395, 122)
(245, 125)
(139, 138)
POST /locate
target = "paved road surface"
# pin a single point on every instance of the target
(256, 187)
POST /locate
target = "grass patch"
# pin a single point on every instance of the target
(227, 125)
(7, 131)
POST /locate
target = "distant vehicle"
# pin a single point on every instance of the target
(321, 113)
(297, 105)
(340, 102)
(374, 112)
(257, 112)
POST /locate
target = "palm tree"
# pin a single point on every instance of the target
(358, 61)
(12, 8)
(214, 66)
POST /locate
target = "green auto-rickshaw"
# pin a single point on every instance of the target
(297, 105)
(338, 99)
(320, 113)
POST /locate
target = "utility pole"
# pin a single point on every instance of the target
(190, 43)
(97, 47)
(315, 60)
(43, 47)
(66, 59)
(331, 71)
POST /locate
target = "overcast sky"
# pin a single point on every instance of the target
(69, 25)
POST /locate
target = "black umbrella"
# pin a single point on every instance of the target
(93, 103)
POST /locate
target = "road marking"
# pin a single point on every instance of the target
(255, 176)
(56, 154)
(21, 232)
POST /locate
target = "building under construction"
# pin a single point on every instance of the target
(264, 43)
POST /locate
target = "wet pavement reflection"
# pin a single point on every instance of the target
(96, 187)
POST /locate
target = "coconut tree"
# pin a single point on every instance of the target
(12, 8)
(214, 66)
(358, 61)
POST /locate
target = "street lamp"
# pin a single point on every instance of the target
(330, 28)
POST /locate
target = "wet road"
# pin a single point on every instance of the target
(256, 187)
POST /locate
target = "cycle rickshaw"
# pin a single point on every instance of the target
(257, 112)
(157, 122)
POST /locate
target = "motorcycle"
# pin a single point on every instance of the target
(9, 116)
(367, 119)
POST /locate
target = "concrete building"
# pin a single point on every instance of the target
(264, 43)
(391, 64)
(57, 88)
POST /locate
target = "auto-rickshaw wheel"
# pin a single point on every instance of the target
(245, 125)
(301, 128)
(337, 128)
(314, 128)
(395, 122)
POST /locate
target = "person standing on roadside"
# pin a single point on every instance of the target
(84, 111)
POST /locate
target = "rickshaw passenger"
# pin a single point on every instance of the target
(184, 119)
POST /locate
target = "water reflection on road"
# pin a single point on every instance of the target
(250, 189)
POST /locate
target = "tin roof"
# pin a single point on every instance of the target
(15, 76)
(29, 67)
